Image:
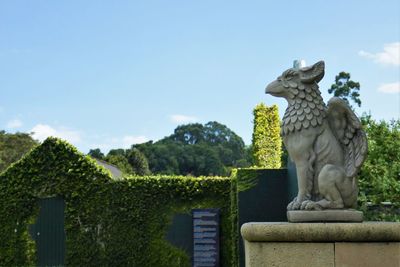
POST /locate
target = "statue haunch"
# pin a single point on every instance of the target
(326, 143)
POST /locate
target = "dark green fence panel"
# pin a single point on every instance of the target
(48, 232)
(262, 197)
(180, 232)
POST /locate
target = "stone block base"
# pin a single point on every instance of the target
(325, 216)
(367, 254)
(260, 254)
(322, 244)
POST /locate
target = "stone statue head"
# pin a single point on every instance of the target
(294, 80)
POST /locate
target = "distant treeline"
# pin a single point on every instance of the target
(193, 149)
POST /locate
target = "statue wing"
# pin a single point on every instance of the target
(347, 128)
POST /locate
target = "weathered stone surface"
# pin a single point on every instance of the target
(321, 232)
(322, 244)
(326, 142)
(289, 254)
(367, 254)
(325, 216)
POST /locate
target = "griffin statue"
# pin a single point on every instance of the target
(326, 142)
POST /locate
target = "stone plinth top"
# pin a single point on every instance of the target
(347, 215)
(321, 232)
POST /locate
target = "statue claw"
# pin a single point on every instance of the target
(294, 205)
(304, 204)
(310, 205)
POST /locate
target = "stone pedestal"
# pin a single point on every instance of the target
(322, 244)
(325, 215)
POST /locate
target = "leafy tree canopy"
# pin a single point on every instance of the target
(138, 162)
(379, 179)
(13, 147)
(345, 88)
(96, 153)
(196, 149)
(120, 162)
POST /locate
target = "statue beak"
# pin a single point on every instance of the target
(272, 88)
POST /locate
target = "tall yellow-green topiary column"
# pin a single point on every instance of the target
(267, 143)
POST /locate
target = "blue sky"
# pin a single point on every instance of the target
(112, 73)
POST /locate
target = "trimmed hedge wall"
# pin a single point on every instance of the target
(107, 222)
(143, 208)
(267, 142)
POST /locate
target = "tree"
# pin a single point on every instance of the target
(13, 147)
(138, 162)
(267, 143)
(96, 153)
(199, 159)
(118, 151)
(196, 149)
(162, 156)
(120, 162)
(379, 180)
(346, 89)
(189, 134)
(230, 146)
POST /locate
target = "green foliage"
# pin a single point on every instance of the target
(162, 156)
(120, 162)
(53, 168)
(147, 205)
(345, 88)
(189, 134)
(118, 151)
(96, 153)
(193, 149)
(107, 223)
(234, 219)
(379, 179)
(138, 162)
(267, 143)
(196, 149)
(13, 147)
(129, 161)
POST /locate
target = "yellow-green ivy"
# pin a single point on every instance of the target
(267, 143)
(107, 222)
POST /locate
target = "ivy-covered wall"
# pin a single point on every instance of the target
(267, 142)
(107, 222)
(142, 209)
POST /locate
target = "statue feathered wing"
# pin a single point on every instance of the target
(346, 126)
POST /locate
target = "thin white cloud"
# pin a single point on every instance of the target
(42, 131)
(389, 56)
(179, 119)
(14, 124)
(113, 143)
(390, 88)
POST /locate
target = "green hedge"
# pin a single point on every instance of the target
(107, 222)
(267, 142)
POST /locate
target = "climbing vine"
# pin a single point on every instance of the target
(107, 222)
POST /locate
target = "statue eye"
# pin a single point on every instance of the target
(288, 76)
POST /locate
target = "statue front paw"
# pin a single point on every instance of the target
(310, 205)
(294, 205)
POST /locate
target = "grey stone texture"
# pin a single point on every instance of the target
(325, 216)
(322, 244)
(321, 232)
(367, 254)
(326, 142)
(265, 254)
